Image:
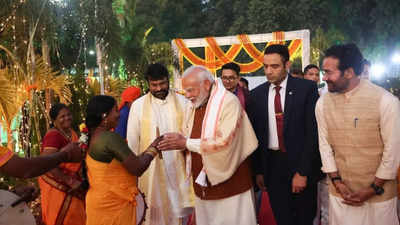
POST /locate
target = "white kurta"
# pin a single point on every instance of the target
(238, 209)
(379, 213)
(369, 213)
(162, 186)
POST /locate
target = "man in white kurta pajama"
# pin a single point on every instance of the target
(219, 138)
(358, 124)
(168, 194)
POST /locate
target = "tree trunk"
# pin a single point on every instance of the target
(49, 94)
(46, 52)
(100, 63)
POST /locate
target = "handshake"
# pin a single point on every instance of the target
(169, 141)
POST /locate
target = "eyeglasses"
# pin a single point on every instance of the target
(329, 72)
(229, 78)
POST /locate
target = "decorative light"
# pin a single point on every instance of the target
(91, 52)
(377, 70)
(396, 58)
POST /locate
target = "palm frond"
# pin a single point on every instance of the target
(114, 87)
(10, 101)
(46, 79)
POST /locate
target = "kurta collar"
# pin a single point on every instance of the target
(161, 101)
(352, 92)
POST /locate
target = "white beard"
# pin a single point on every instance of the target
(200, 100)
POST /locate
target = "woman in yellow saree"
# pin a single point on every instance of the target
(112, 167)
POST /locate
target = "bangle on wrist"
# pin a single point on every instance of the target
(151, 151)
(154, 149)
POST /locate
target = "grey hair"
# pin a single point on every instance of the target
(203, 75)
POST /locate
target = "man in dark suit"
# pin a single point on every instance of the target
(287, 162)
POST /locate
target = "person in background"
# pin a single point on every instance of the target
(366, 68)
(244, 83)
(230, 78)
(129, 95)
(297, 73)
(311, 72)
(62, 196)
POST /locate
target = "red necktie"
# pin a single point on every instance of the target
(279, 118)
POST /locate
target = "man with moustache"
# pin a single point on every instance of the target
(168, 194)
(358, 125)
(286, 162)
(219, 138)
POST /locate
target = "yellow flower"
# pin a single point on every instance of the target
(82, 126)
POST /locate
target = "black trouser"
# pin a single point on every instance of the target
(288, 208)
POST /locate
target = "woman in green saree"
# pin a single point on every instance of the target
(112, 168)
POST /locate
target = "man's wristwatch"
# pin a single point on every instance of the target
(378, 190)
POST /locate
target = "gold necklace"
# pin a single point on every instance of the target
(69, 137)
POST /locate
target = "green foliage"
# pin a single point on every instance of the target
(81, 94)
(171, 19)
(159, 52)
(323, 40)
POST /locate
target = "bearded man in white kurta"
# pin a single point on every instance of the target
(358, 126)
(219, 138)
(168, 194)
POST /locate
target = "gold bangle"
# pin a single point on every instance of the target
(152, 151)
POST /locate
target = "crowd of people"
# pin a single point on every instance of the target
(200, 158)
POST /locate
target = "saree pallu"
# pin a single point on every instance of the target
(111, 196)
(58, 207)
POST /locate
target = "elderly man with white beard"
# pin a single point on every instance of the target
(217, 139)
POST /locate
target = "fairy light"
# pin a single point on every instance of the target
(13, 26)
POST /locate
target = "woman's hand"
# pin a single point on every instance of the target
(172, 141)
(156, 141)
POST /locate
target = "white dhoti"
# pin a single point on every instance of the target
(238, 209)
(377, 213)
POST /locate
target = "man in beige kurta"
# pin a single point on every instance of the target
(168, 194)
(358, 124)
(219, 138)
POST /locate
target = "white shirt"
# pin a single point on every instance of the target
(273, 142)
(389, 109)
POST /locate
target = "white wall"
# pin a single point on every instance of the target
(254, 81)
